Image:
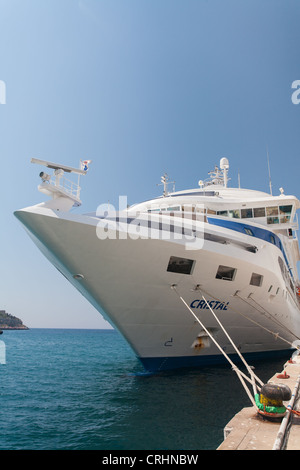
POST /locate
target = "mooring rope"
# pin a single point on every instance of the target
(278, 444)
(275, 320)
(239, 373)
(273, 333)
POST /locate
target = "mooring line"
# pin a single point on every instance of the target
(239, 373)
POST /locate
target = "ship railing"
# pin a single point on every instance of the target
(69, 187)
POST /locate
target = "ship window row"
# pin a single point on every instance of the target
(274, 214)
(163, 209)
(225, 273)
(228, 273)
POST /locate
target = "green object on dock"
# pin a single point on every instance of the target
(268, 409)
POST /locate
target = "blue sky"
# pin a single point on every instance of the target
(140, 87)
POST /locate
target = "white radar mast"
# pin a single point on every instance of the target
(224, 166)
(60, 188)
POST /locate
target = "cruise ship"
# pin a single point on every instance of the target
(162, 271)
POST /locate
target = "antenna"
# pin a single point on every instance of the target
(270, 181)
(165, 181)
(58, 166)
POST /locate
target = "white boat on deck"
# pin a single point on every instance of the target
(231, 250)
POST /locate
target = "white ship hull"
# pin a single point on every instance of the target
(127, 280)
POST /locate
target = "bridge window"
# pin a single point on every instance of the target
(272, 215)
(235, 214)
(246, 213)
(285, 214)
(259, 212)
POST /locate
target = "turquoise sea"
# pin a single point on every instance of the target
(85, 390)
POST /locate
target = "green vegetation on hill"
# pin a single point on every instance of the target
(10, 322)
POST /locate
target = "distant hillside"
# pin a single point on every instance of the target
(10, 322)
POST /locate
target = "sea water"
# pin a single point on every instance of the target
(86, 390)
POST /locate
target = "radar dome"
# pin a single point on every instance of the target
(224, 163)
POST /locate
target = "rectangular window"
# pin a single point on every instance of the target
(256, 279)
(259, 212)
(285, 209)
(285, 214)
(235, 214)
(223, 213)
(180, 265)
(271, 211)
(246, 213)
(285, 219)
(226, 273)
(200, 209)
(282, 267)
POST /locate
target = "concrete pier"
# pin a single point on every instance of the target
(248, 430)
